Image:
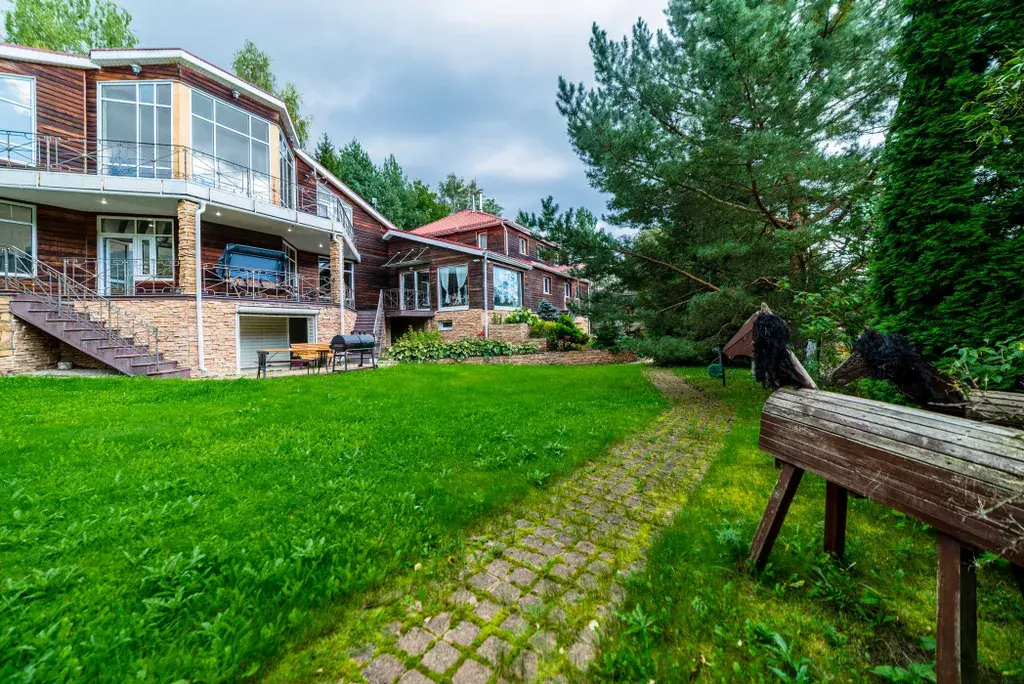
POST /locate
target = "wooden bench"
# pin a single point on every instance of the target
(311, 354)
(962, 477)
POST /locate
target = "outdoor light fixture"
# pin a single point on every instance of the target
(136, 69)
(234, 94)
(103, 200)
(218, 213)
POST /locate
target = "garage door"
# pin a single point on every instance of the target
(260, 332)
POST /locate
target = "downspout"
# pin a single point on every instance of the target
(487, 319)
(504, 227)
(341, 280)
(199, 285)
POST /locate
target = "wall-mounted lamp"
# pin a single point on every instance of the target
(234, 94)
(136, 69)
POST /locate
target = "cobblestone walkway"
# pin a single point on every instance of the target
(538, 585)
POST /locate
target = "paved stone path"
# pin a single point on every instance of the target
(538, 588)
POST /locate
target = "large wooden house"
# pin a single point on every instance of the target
(157, 216)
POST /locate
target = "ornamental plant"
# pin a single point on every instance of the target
(547, 311)
(521, 315)
(565, 335)
(417, 347)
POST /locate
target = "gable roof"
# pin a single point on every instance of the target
(459, 222)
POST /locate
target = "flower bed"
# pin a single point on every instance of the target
(415, 347)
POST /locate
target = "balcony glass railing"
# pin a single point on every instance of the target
(164, 162)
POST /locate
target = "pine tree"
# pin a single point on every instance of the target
(948, 266)
(547, 311)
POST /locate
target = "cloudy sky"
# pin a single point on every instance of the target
(446, 85)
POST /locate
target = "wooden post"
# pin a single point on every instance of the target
(956, 652)
(775, 514)
(835, 519)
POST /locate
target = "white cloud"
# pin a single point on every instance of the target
(519, 161)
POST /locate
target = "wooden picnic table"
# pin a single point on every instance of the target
(312, 355)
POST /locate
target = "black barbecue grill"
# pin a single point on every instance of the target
(344, 346)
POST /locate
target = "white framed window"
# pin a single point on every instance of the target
(568, 290)
(17, 230)
(291, 263)
(547, 285)
(231, 147)
(287, 172)
(481, 240)
(329, 205)
(452, 287)
(133, 250)
(135, 129)
(445, 326)
(18, 119)
(508, 288)
(323, 269)
(350, 282)
(524, 246)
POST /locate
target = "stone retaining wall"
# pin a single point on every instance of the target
(589, 357)
(513, 333)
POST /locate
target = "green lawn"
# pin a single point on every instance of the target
(698, 613)
(193, 529)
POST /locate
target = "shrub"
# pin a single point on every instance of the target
(674, 351)
(998, 366)
(548, 312)
(564, 334)
(416, 347)
(540, 329)
(607, 335)
(521, 315)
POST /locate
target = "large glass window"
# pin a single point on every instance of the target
(231, 148)
(17, 119)
(287, 171)
(350, 282)
(152, 243)
(508, 290)
(17, 230)
(135, 129)
(452, 290)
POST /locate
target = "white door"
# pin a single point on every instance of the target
(120, 267)
(260, 332)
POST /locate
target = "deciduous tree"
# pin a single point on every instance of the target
(68, 25)
(253, 65)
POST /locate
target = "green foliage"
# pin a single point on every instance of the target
(673, 351)
(949, 252)
(418, 346)
(456, 194)
(731, 144)
(253, 65)
(547, 311)
(172, 531)
(707, 618)
(69, 25)
(564, 334)
(833, 318)
(521, 315)
(999, 105)
(998, 366)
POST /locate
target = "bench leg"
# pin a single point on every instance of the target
(956, 654)
(775, 514)
(835, 519)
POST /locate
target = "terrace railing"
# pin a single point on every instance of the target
(125, 277)
(162, 162)
(398, 299)
(234, 282)
(22, 273)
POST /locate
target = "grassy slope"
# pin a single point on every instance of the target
(165, 529)
(697, 613)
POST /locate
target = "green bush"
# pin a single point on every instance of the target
(415, 347)
(547, 312)
(674, 351)
(607, 335)
(564, 334)
(998, 366)
(540, 329)
(521, 315)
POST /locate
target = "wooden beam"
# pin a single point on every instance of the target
(835, 519)
(775, 514)
(956, 652)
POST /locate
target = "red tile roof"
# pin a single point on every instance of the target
(460, 221)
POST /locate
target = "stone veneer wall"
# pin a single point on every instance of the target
(587, 357)
(514, 333)
(468, 323)
(23, 348)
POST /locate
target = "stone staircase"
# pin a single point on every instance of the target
(95, 338)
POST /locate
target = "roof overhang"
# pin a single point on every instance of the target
(19, 53)
(455, 247)
(362, 203)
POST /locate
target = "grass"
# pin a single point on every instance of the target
(194, 529)
(698, 613)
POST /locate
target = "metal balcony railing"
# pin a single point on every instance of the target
(125, 277)
(398, 299)
(164, 162)
(248, 283)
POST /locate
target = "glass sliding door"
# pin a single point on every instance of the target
(120, 267)
(135, 130)
(415, 290)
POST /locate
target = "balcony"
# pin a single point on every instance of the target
(132, 160)
(406, 302)
(138, 278)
